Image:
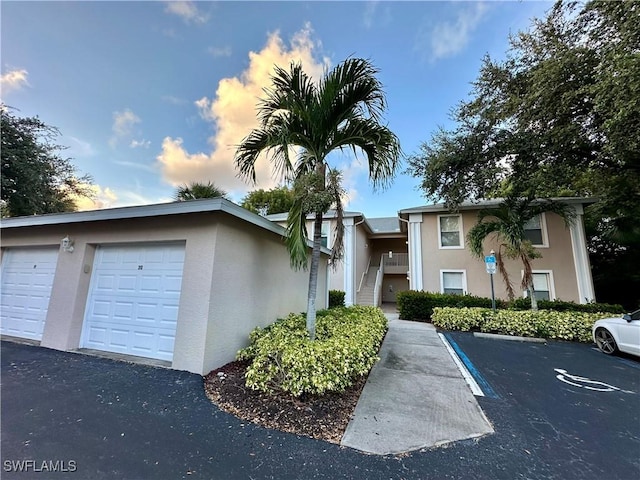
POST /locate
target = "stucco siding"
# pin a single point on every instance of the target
(557, 258)
(253, 285)
(236, 275)
(363, 252)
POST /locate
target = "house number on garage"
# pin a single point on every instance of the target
(583, 382)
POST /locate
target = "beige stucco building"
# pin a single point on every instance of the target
(183, 283)
(424, 248)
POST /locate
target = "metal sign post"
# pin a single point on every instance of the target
(490, 263)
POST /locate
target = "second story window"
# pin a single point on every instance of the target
(533, 231)
(450, 235)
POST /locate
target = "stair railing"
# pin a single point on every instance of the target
(364, 274)
(377, 289)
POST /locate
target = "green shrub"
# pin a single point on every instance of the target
(463, 319)
(419, 306)
(284, 359)
(571, 326)
(562, 306)
(336, 298)
(415, 305)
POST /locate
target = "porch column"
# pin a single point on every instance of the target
(581, 258)
(415, 251)
(348, 260)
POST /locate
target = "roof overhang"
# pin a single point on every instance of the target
(148, 211)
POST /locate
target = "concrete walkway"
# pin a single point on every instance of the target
(415, 396)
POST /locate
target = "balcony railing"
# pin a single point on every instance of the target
(396, 263)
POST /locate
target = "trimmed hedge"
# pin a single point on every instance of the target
(562, 306)
(336, 298)
(283, 358)
(419, 306)
(571, 326)
(414, 305)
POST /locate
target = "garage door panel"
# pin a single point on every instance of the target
(27, 278)
(134, 300)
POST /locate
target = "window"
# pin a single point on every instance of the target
(324, 235)
(450, 231)
(533, 231)
(453, 282)
(542, 285)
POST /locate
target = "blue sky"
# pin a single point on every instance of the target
(151, 95)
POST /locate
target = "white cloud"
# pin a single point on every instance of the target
(188, 11)
(140, 143)
(80, 148)
(220, 51)
(123, 123)
(13, 80)
(369, 13)
(448, 38)
(174, 100)
(376, 16)
(232, 111)
(105, 197)
(102, 198)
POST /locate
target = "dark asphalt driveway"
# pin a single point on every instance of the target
(109, 419)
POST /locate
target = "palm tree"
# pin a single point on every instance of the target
(197, 190)
(342, 111)
(507, 224)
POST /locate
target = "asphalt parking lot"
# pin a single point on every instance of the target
(99, 418)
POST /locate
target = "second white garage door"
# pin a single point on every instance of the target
(133, 301)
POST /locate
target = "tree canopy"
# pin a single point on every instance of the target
(196, 190)
(559, 116)
(35, 178)
(268, 202)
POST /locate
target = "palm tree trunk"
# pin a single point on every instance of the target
(313, 276)
(532, 294)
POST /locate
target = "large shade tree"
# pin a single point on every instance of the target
(507, 223)
(558, 116)
(301, 123)
(268, 202)
(36, 178)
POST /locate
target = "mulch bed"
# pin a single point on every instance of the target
(323, 417)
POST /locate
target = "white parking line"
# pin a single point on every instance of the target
(473, 385)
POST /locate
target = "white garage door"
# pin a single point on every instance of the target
(27, 277)
(132, 306)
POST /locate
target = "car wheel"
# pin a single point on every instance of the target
(605, 341)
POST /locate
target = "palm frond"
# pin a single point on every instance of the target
(297, 237)
(334, 186)
(379, 144)
(477, 235)
(505, 275)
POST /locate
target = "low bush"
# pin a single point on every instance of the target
(414, 305)
(336, 298)
(562, 306)
(284, 359)
(571, 326)
(419, 306)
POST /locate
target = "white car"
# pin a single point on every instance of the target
(618, 334)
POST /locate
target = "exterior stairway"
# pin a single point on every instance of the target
(365, 295)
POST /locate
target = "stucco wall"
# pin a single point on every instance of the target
(391, 285)
(363, 252)
(234, 273)
(557, 257)
(253, 285)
